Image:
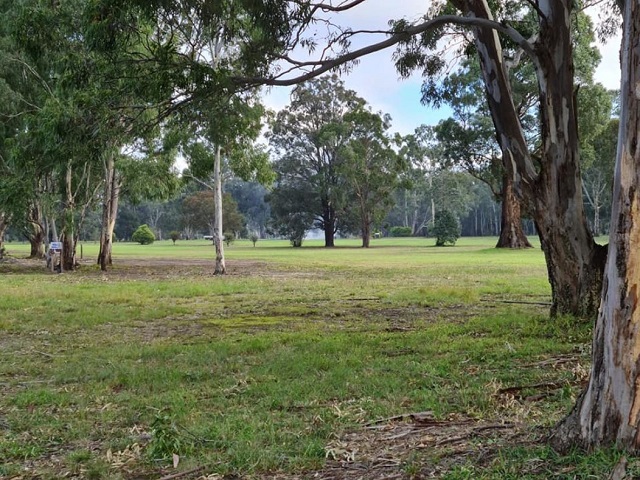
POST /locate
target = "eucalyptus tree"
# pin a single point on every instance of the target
(413, 202)
(468, 140)
(370, 166)
(221, 138)
(607, 412)
(79, 114)
(21, 179)
(598, 138)
(309, 137)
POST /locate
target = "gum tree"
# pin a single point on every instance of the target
(608, 412)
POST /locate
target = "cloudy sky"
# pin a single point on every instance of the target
(376, 80)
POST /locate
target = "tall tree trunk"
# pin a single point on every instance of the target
(511, 233)
(596, 214)
(329, 223)
(575, 262)
(552, 189)
(218, 235)
(111, 196)
(608, 412)
(366, 225)
(69, 236)
(35, 232)
(4, 223)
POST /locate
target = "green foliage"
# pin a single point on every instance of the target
(446, 228)
(167, 440)
(371, 167)
(174, 235)
(198, 212)
(309, 137)
(400, 231)
(143, 235)
(290, 216)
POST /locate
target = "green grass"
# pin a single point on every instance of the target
(258, 372)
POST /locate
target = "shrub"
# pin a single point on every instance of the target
(254, 238)
(143, 235)
(400, 231)
(174, 235)
(229, 238)
(446, 228)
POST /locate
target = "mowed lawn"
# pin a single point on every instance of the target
(399, 361)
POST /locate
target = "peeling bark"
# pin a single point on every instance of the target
(35, 231)
(608, 412)
(511, 232)
(551, 187)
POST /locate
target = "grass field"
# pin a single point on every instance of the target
(400, 361)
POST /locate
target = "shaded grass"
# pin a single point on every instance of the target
(255, 372)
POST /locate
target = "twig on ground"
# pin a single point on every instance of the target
(419, 416)
(182, 474)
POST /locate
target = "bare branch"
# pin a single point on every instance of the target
(534, 5)
(338, 8)
(322, 66)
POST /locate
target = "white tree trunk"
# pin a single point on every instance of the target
(110, 201)
(218, 235)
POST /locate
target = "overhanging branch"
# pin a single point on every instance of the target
(321, 66)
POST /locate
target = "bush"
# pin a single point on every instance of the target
(143, 235)
(446, 228)
(174, 235)
(400, 231)
(229, 238)
(254, 238)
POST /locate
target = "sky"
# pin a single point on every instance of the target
(376, 80)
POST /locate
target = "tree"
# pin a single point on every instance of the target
(607, 411)
(198, 212)
(143, 235)
(370, 167)
(598, 139)
(290, 215)
(468, 140)
(308, 137)
(254, 237)
(4, 223)
(250, 197)
(446, 228)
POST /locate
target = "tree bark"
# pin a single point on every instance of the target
(328, 223)
(366, 226)
(608, 412)
(4, 223)
(68, 237)
(218, 235)
(35, 232)
(552, 190)
(111, 196)
(511, 232)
